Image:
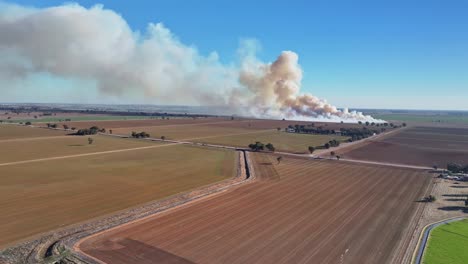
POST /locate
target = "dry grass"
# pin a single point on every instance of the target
(42, 196)
(14, 131)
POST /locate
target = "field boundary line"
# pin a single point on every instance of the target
(424, 237)
(85, 154)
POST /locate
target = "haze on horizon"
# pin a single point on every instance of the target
(320, 58)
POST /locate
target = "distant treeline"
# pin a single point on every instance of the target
(353, 133)
(51, 111)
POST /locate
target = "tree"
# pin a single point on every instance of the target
(90, 141)
(110, 131)
(279, 159)
(332, 153)
(28, 123)
(367, 123)
(466, 202)
(278, 128)
(360, 122)
(430, 199)
(338, 157)
(65, 127)
(163, 137)
(270, 147)
(257, 146)
(435, 167)
(327, 145)
(311, 149)
(404, 124)
(454, 167)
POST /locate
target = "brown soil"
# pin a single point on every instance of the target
(424, 146)
(299, 211)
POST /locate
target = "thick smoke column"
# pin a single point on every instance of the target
(97, 46)
(276, 92)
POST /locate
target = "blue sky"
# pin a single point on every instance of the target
(368, 54)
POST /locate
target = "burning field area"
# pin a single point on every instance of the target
(298, 211)
(423, 146)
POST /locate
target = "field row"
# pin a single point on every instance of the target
(424, 146)
(311, 212)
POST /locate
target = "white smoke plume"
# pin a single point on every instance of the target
(97, 45)
(275, 90)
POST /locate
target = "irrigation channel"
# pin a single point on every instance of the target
(425, 237)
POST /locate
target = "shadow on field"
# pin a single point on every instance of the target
(142, 251)
(455, 195)
(455, 199)
(454, 208)
(76, 145)
(459, 186)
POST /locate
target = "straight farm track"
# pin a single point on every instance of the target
(298, 211)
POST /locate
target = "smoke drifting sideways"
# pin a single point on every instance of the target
(97, 45)
(275, 90)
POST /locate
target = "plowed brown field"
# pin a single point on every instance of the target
(425, 146)
(299, 211)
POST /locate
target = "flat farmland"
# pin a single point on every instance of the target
(112, 124)
(42, 196)
(8, 132)
(289, 142)
(187, 131)
(21, 150)
(425, 146)
(299, 211)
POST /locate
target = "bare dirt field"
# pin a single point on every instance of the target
(42, 196)
(29, 149)
(425, 146)
(8, 132)
(299, 211)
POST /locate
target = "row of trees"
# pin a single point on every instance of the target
(331, 143)
(259, 146)
(90, 131)
(140, 135)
